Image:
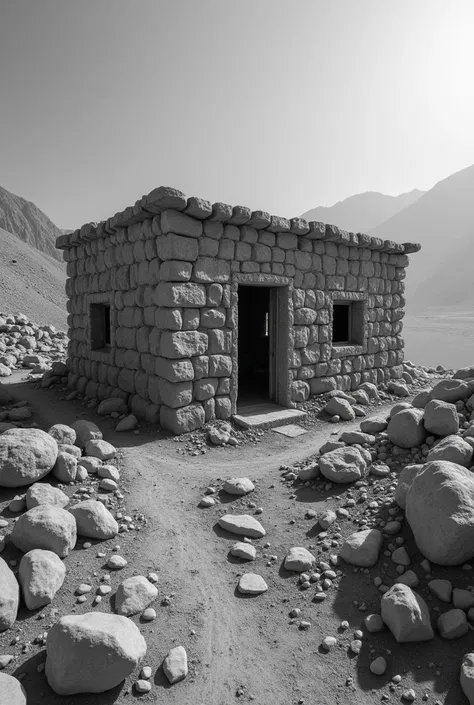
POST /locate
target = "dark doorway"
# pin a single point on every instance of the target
(254, 342)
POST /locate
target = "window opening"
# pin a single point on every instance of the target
(348, 327)
(100, 326)
(341, 323)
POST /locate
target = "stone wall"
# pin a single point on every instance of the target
(171, 278)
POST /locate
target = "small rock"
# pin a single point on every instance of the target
(175, 665)
(378, 666)
(252, 584)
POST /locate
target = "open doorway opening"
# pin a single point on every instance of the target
(254, 343)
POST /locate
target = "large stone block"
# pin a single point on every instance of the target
(261, 253)
(92, 652)
(181, 224)
(176, 247)
(287, 241)
(301, 334)
(182, 420)
(205, 388)
(223, 408)
(168, 318)
(207, 269)
(126, 380)
(191, 318)
(176, 394)
(304, 316)
(201, 366)
(175, 271)
(174, 370)
(243, 251)
(220, 341)
(220, 366)
(212, 318)
(311, 354)
(183, 344)
(323, 385)
(186, 294)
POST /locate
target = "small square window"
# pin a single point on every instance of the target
(348, 322)
(100, 326)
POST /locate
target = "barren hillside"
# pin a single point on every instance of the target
(25, 220)
(31, 282)
(363, 211)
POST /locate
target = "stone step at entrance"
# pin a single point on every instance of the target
(266, 415)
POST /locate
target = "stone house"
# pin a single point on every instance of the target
(186, 308)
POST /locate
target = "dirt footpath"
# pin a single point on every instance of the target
(240, 649)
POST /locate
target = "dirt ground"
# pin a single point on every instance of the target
(240, 649)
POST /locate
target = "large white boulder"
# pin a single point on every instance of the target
(340, 407)
(362, 548)
(41, 574)
(351, 438)
(92, 652)
(63, 434)
(238, 486)
(440, 511)
(299, 559)
(452, 449)
(26, 455)
(65, 468)
(406, 428)
(374, 424)
(452, 390)
(94, 520)
(464, 373)
(406, 614)
(453, 624)
(421, 399)
(134, 595)
(405, 479)
(47, 527)
(9, 596)
(343, 465)
(242, 525)
(11, 690)
(101, 449)
(441, 418)
(43, 493)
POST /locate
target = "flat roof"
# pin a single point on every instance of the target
(165, 198)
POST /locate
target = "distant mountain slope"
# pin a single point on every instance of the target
(443, 221)
(31, 282)
(364, 211)
(29, 223)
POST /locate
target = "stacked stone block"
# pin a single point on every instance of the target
(168, 267)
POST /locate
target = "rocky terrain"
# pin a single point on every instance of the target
(332, 570)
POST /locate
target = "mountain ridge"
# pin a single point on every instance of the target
(27, 222)
(363, 211)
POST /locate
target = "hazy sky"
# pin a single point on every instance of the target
(280, 105)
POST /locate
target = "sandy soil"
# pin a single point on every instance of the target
(239, 649)
(31, 282)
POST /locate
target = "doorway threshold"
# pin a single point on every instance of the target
(266, 415)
